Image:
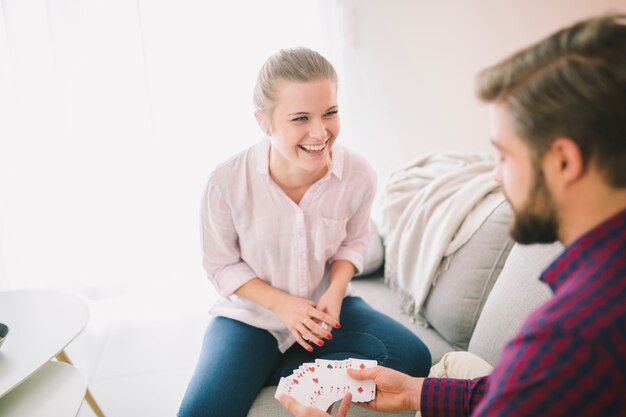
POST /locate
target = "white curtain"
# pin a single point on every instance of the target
(112, 115)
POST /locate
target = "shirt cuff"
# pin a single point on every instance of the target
(451, 397)
(353, 256)
(439, 398)
(231, 277)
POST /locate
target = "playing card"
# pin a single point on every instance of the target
(362, 391)
(361, 364)
(303, 388)
(322, 383)
(284, 387)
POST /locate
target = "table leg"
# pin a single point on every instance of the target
(90, 400)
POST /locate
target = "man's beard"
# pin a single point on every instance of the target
(537, 222)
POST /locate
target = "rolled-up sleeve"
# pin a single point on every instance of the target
(448, 397)
(353, 247)
(221, 256)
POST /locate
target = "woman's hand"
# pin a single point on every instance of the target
(298, 410)
(302, 318)
(330, 303)
(298, 314)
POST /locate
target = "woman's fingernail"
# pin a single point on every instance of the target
(329, 337)
(310, 349)
(320, 343)
(338, 326)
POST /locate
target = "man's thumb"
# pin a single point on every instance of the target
(360, 375)
(289, 403)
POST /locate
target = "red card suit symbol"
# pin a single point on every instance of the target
(362, 366)
(315, 380)
(295, 381)
(360, 390)
(312, 369)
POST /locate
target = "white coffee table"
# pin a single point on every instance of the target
(41, 324)
(57, 389)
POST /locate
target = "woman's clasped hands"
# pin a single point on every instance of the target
(307, 323)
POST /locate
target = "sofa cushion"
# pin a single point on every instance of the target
(514, 296)
(466, 277)
(460, 365)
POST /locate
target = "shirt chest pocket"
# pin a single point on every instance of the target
(326, 235)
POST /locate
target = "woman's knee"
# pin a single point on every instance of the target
(417, 358)
(232, 352)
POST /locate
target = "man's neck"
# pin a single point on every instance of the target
(588, 211)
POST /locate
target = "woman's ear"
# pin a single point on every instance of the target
(263, 123)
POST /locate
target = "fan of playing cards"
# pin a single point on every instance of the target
(322, 383)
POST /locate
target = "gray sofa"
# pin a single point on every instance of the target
(482, 294)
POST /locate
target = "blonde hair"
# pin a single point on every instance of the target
(294, 64)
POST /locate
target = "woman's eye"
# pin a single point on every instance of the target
(300, 119)
(331, 113)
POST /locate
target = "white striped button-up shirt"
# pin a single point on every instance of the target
(251, 228)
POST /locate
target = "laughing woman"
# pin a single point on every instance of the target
(284, 229)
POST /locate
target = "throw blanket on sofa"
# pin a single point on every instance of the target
(423, 208)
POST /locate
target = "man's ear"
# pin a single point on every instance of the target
(566, 160)
(263, 123)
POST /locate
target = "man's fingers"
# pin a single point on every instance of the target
(290, 403)
(368, 373)
(345, 404)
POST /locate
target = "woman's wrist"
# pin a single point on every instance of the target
(262, 293)
(338, 286)
(340, 276)
(275, 298)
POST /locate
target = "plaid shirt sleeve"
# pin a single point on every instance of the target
(451, 397)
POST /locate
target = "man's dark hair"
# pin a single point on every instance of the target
(572, 84)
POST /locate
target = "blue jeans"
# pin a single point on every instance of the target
(237, 360)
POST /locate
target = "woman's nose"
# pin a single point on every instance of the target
(318, 130)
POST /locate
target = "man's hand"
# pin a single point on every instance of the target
(395, 391)
(298, 410)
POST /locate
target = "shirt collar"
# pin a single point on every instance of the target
(263, 159)
(600, 239)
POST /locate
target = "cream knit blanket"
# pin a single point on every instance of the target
(425, 216)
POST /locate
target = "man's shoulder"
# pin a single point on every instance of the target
(581, 313)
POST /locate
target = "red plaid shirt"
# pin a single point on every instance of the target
(569, 359)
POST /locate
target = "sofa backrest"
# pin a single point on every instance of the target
(516, 293)
(466, 277)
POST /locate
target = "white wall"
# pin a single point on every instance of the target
(112, 115)
(107, 136)
(409, 67)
